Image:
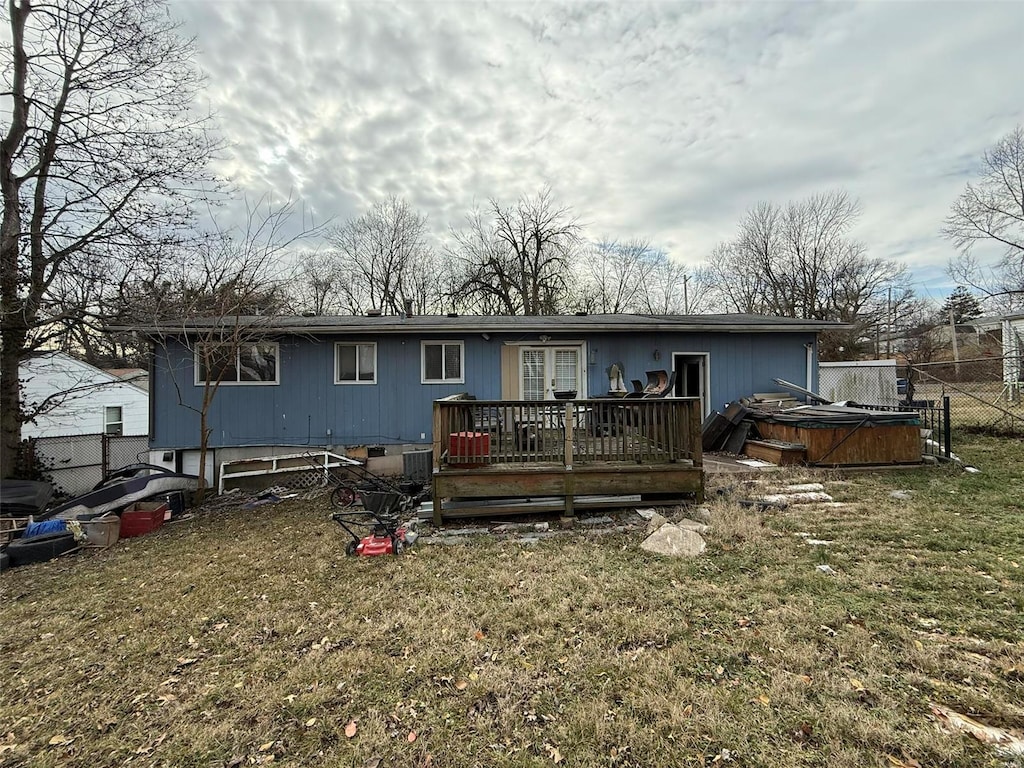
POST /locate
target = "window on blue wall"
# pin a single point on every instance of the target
(231, 363)
(355, 363)
(442, 362)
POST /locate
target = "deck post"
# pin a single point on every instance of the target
(437, 462)
(694, 419)
(568, 430)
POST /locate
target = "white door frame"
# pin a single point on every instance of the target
(549, 349)
(705, 364)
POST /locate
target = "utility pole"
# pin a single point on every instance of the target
(686, 295)
(888, 323)
(956, 349)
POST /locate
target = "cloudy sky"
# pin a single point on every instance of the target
(663, 120)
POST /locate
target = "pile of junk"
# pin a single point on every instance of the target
(130, 501)
(777, 428)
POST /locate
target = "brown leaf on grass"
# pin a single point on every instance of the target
(411, 737)
(311, 722)
(480, 635)
(60, 741)
(803, 733)
(553, 753)
(350, 729)
(858, 686)
(461, 685)
(268, 746)
(1003, 740)
(688, 710)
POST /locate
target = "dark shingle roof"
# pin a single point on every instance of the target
(351, 324)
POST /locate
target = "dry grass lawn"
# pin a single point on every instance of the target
(245, 637)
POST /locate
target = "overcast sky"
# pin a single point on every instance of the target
(665, 120)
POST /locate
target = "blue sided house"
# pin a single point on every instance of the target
(344, 381)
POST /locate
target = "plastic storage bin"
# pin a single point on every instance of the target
(142, 517)
(102, 531)
(469, 449)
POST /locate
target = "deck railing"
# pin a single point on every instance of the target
(478, 433)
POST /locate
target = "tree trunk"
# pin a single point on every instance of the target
(204, 442)
(13, 322)
(10, 400)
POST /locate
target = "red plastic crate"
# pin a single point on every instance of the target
(469, 448)
(142, 517)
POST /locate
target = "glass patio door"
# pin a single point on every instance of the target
(546, 370)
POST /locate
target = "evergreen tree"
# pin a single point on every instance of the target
(963, 304)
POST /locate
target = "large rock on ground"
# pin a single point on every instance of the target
(811, 497)
(656, 522)
(693, 525)
(673, 541)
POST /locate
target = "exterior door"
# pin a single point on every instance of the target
(546, 370)
(692, 377)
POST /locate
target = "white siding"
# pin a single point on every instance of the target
(82, 395)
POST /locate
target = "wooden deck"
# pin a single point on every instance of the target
(499, 449)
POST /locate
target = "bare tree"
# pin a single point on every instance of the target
(382, 258)
(611, 275)
(515, 260)
(799, 261)
(100, 159)
(216, 304)
(673, 289)
(991, 210)
(320, 286)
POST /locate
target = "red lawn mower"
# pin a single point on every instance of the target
(384, 535)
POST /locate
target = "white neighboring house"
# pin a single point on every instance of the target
(81, 399)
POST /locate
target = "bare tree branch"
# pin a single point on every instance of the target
(101, 162)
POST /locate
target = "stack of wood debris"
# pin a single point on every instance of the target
(769, 402)
(735, 431)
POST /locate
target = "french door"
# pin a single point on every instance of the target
(546, 370)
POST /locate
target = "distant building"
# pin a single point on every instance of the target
(75, 398)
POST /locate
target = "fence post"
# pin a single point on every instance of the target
(946, 430)
(104, 454)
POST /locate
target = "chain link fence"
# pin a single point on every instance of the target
(76, 463)
(986, 394)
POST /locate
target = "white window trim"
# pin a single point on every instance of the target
(423, 361)
(199, 381)
(338, 344)
(107, 424)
